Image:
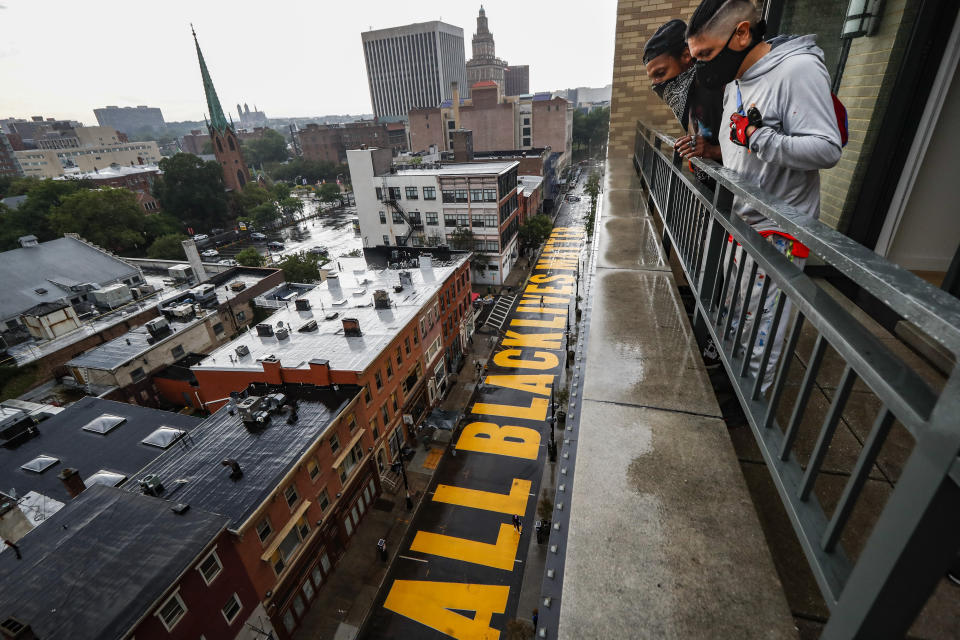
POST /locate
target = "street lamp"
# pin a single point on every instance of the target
(403, 471)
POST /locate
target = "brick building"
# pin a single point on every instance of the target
(498, 122)
(330, 142)
(131, 566)
(138, 179)
(193, 142)
(9, 166)
(516, 80)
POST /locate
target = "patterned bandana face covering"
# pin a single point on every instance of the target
(675, 93)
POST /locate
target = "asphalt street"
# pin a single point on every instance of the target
(460, 568)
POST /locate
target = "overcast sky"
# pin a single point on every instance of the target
(63, 58)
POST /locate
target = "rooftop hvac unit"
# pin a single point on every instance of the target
(264, 330)
(151, 485)
(302, 304)
(283, 333)
(406, 280)
(397, 288)
(311, 325)
(158, 327)
(242, 350)
(248, 408)
(332, 315)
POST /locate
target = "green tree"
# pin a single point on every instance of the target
(32, 216)
(301, 267)
(272, 147)
(250, 257)
(330, 192)
(111, 218)
(193, 191)
(167, 247)
(312, 171)
(590, 129)
(462, 238)
(161, 224)
(535, 230)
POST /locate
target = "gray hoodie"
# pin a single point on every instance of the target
(790, 87)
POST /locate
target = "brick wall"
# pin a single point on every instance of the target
(865, 87)
(632, 98)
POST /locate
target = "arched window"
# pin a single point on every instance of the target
(230, 142)
(240, 178)
(219, 146)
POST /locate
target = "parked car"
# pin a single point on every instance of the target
(317, 250)
(257, 237)
(275, 246)
(229, 262)
(572, 198)
(210, 253)
(200, 236)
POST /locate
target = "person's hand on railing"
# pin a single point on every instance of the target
(696, 146)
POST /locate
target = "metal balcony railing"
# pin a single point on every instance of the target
(878, 590)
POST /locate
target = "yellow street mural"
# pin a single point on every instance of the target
(467, 557)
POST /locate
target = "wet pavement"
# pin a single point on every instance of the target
(460, 569)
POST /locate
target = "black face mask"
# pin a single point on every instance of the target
(722, 69)
(675, 92)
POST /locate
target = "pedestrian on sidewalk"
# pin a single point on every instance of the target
(541, 301)
(536, 616)
(516, 523)
(382, 549)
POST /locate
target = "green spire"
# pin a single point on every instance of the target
(217, 120)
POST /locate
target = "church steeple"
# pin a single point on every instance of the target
(226, 145)
(217, 120)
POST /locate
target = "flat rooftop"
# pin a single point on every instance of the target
(133, 344)
(100, 563)
(195, 475)
(460, 168)
(63, 438)
(350, 295)
(110, 172)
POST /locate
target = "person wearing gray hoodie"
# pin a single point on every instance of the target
(782, 131)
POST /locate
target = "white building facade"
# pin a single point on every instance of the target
(464, 206)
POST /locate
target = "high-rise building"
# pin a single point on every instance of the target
(516, 79)
(485, 65)
(8, 159)
(412, 66)
(226, 147)
(130, 119)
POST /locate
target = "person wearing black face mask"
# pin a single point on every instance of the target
(782, 131)
(670, 68)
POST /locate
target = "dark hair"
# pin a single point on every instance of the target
(667, 39)
(708, 9)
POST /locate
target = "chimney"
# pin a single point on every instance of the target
(72, 481)
(351, 328)
(455, 90)
(193, 257)
(426, 261)
(381, 299)
(406, 279)
(463, 145)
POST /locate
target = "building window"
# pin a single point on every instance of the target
(393, 401)
(350, 463)
(397, 218)
(432, 218)
(449, 220)
(264, 529)
(379, 193)
(414, 217)
(323, 499)
(137, 374)
(241, 316)
(461, 195)
(171, 612)
(218, 328)
(334, 443)
(352, 423)
(389, 370)
(383, 218)
(231, 609)
(476, 195)
(313, 469)
(210, 567)
(289, 545)
(448, 195)
(489, 195)
(366, 394)
(406, 345)
(378, 380)
(386, 240)
(290, 493)
(399, 357)
(412, 193)
(177, 352)
(429, 193)
(394, 193)
(385, 414)
(373, 427)
(463, 220)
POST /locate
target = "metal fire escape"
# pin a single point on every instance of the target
(411, 224)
